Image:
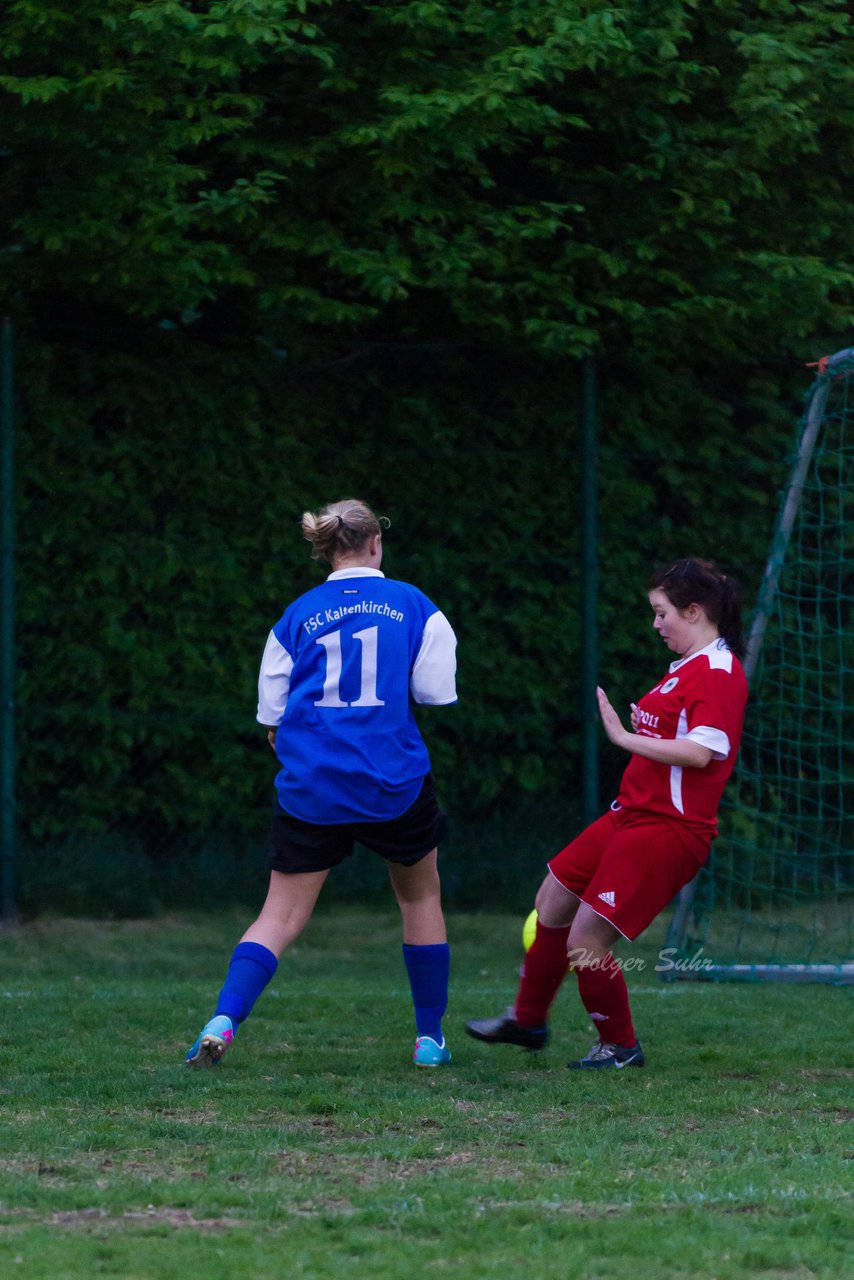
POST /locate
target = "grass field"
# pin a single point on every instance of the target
(317, 1150)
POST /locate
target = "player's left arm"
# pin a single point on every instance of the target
(682, 752)
(433, 677)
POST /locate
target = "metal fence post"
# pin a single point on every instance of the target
(7, 626)
(589, 593)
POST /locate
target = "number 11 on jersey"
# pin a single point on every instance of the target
(334, 662)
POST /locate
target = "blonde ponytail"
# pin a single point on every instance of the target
(340, 528)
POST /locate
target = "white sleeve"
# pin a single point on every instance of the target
(433, 678)
(714, 739)
(274, 682)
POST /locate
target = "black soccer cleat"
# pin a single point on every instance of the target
(506, 1030)
(604, 1055)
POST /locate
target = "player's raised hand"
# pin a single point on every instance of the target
(611, 721)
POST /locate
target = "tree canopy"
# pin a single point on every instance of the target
(552, 173)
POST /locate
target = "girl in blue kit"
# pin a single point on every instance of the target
(340, 671)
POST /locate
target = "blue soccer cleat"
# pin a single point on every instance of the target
(212, 1043)
(430, 1054)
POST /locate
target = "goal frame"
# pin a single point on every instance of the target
(840, 364)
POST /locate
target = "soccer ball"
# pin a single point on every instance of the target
(529, 930)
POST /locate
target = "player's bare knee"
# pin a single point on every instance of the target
(585, 951)
(555, 905)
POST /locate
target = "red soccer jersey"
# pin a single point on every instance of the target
(701, 698)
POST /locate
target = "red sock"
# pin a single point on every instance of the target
(544, 970)
(605, 996)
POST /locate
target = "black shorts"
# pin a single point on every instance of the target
(297, 846)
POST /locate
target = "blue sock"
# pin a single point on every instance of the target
(251, 968)
(428, 969)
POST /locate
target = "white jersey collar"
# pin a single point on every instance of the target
(356, 571)
(717, 644)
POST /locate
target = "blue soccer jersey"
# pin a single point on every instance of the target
(339, 674)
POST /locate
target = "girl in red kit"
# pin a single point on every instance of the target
(615, 878)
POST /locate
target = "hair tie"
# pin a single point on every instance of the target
(340, 521)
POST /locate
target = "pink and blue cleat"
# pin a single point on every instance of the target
(212, 1043)
(428, 1053)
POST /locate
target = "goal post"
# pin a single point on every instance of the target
(775, 902)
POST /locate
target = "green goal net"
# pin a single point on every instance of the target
(776, 899)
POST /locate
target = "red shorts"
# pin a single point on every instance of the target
(629, 865)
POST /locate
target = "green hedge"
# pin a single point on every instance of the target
(262, 256)
(162, 481)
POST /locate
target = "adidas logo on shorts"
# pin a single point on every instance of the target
(608, 897)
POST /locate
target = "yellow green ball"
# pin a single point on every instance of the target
(529, 931)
